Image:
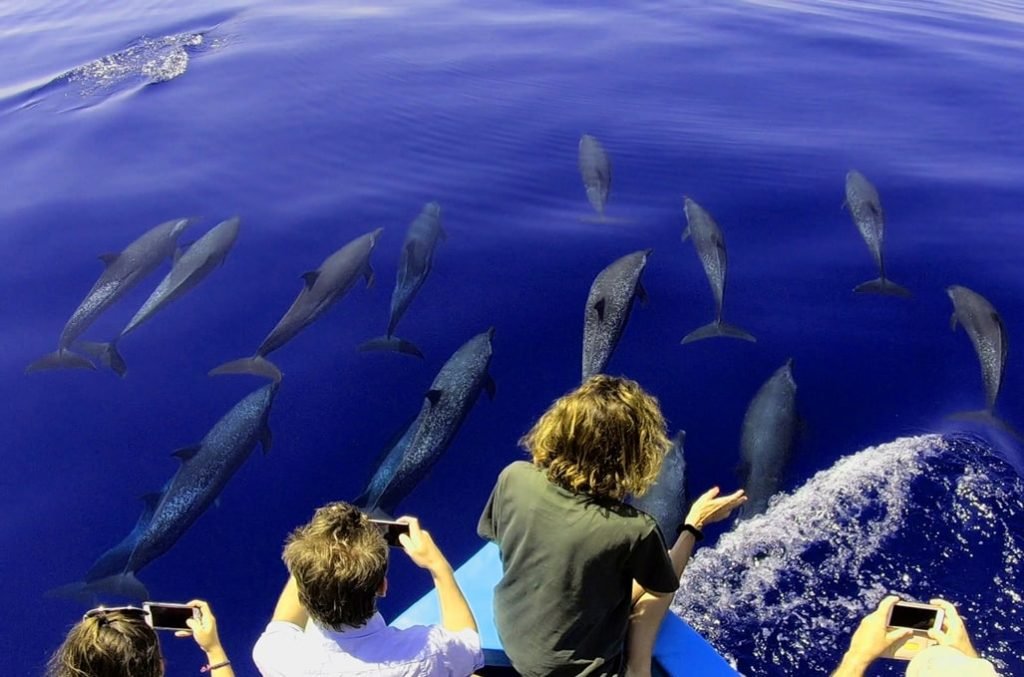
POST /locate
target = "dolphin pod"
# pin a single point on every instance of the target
(122, 271)
(608, 306)
(769, 430)
(866, 211)
(321, 288)
(189, 269)
(596, 172)
(665, 501)
(710, 245)
(445, 406)
(204, 471)
(415, 264)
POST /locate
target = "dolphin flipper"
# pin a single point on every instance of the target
(882, 286)
(255, 366)
(60, 359)
(718, 329)
(106, 353)
(120, 585)
(391, 343)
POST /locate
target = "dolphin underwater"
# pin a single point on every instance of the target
(413, 268)
(204, 471)
(122, 272)
(323, 286)
(866, 211)
(608, 306)
(190, 268)
(769, 431)
(710, 246)
(596, 171)
(985, 328)
(447, 403)
(666, 500)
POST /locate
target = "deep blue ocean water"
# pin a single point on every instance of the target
(317, 122)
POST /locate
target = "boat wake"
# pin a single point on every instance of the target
(922, 517)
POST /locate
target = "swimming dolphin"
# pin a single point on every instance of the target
(121, 273)
(987, 332)
(596, 170)
(608, 306)
(710, 246)
(666, 500)
(866, 211)
(413, 268)
(323, 286)
(447, 403)
(204, 471)
(190, 268)
(769, 430)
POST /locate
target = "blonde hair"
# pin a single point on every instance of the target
(108, 644)
(339, 561)
(606, 438)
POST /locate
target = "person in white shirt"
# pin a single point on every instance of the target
(326, 622)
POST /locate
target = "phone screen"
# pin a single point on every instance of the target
(912, 617)
(170, 616)
(391, 531)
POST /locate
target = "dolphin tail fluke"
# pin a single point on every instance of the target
(124, 585)
(60, 359)
(254, 366)
(392, 344)
(882, 286)
(107, 354)
(718, 329)
(986, 417)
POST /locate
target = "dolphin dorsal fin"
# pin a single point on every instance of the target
(599, 307)
(641, 293)
(434, 395)
(490, 386)
(109, 258)
(311, 278)
(186, 453)
(370, 276)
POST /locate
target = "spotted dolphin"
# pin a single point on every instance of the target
(190, 268)
(666, 500)
(121, 273)
(321, 288)
(769, 432)
(866, 211)
(447, 403)
(415, 264)
(596, 171)
(710, 245)
(204, 471)
(608, 306)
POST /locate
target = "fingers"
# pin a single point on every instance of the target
(183, 633)
(939, 636)
(405, 540)
(709, 494)
(886, 604)
(896, 635)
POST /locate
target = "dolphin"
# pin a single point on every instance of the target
(416, 261)
(987, 332)
(190, 268)
(866, 212)
(666, 500)
(769, 430)
(204, 471)
(608, 306)
(323, 286)
(447, 403)
(710, 246)
(596, 170)
(121, 273)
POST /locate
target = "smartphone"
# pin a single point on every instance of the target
(169, 616)
(391, 530)
(918, 617)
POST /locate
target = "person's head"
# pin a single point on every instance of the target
(606, 438)
(109, 643)
(339, 561)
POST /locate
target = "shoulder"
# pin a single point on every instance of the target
(461, 649)
(278, 647)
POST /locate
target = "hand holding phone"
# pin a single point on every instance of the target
(919, 619)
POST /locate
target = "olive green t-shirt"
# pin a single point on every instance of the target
(562, 606)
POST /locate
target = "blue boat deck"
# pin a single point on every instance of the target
(678, 651)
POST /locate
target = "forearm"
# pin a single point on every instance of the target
(455, 612)
(644, 623)
(852, 665)
(289, 609)
(681, 551)
(216, 655)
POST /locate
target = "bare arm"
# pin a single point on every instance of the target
(204, 631)
(289, 609)
(455, 612)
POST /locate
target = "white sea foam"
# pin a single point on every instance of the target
(153, 59)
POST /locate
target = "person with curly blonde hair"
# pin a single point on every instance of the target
(587, 578)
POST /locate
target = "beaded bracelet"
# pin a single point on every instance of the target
(211, 668)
